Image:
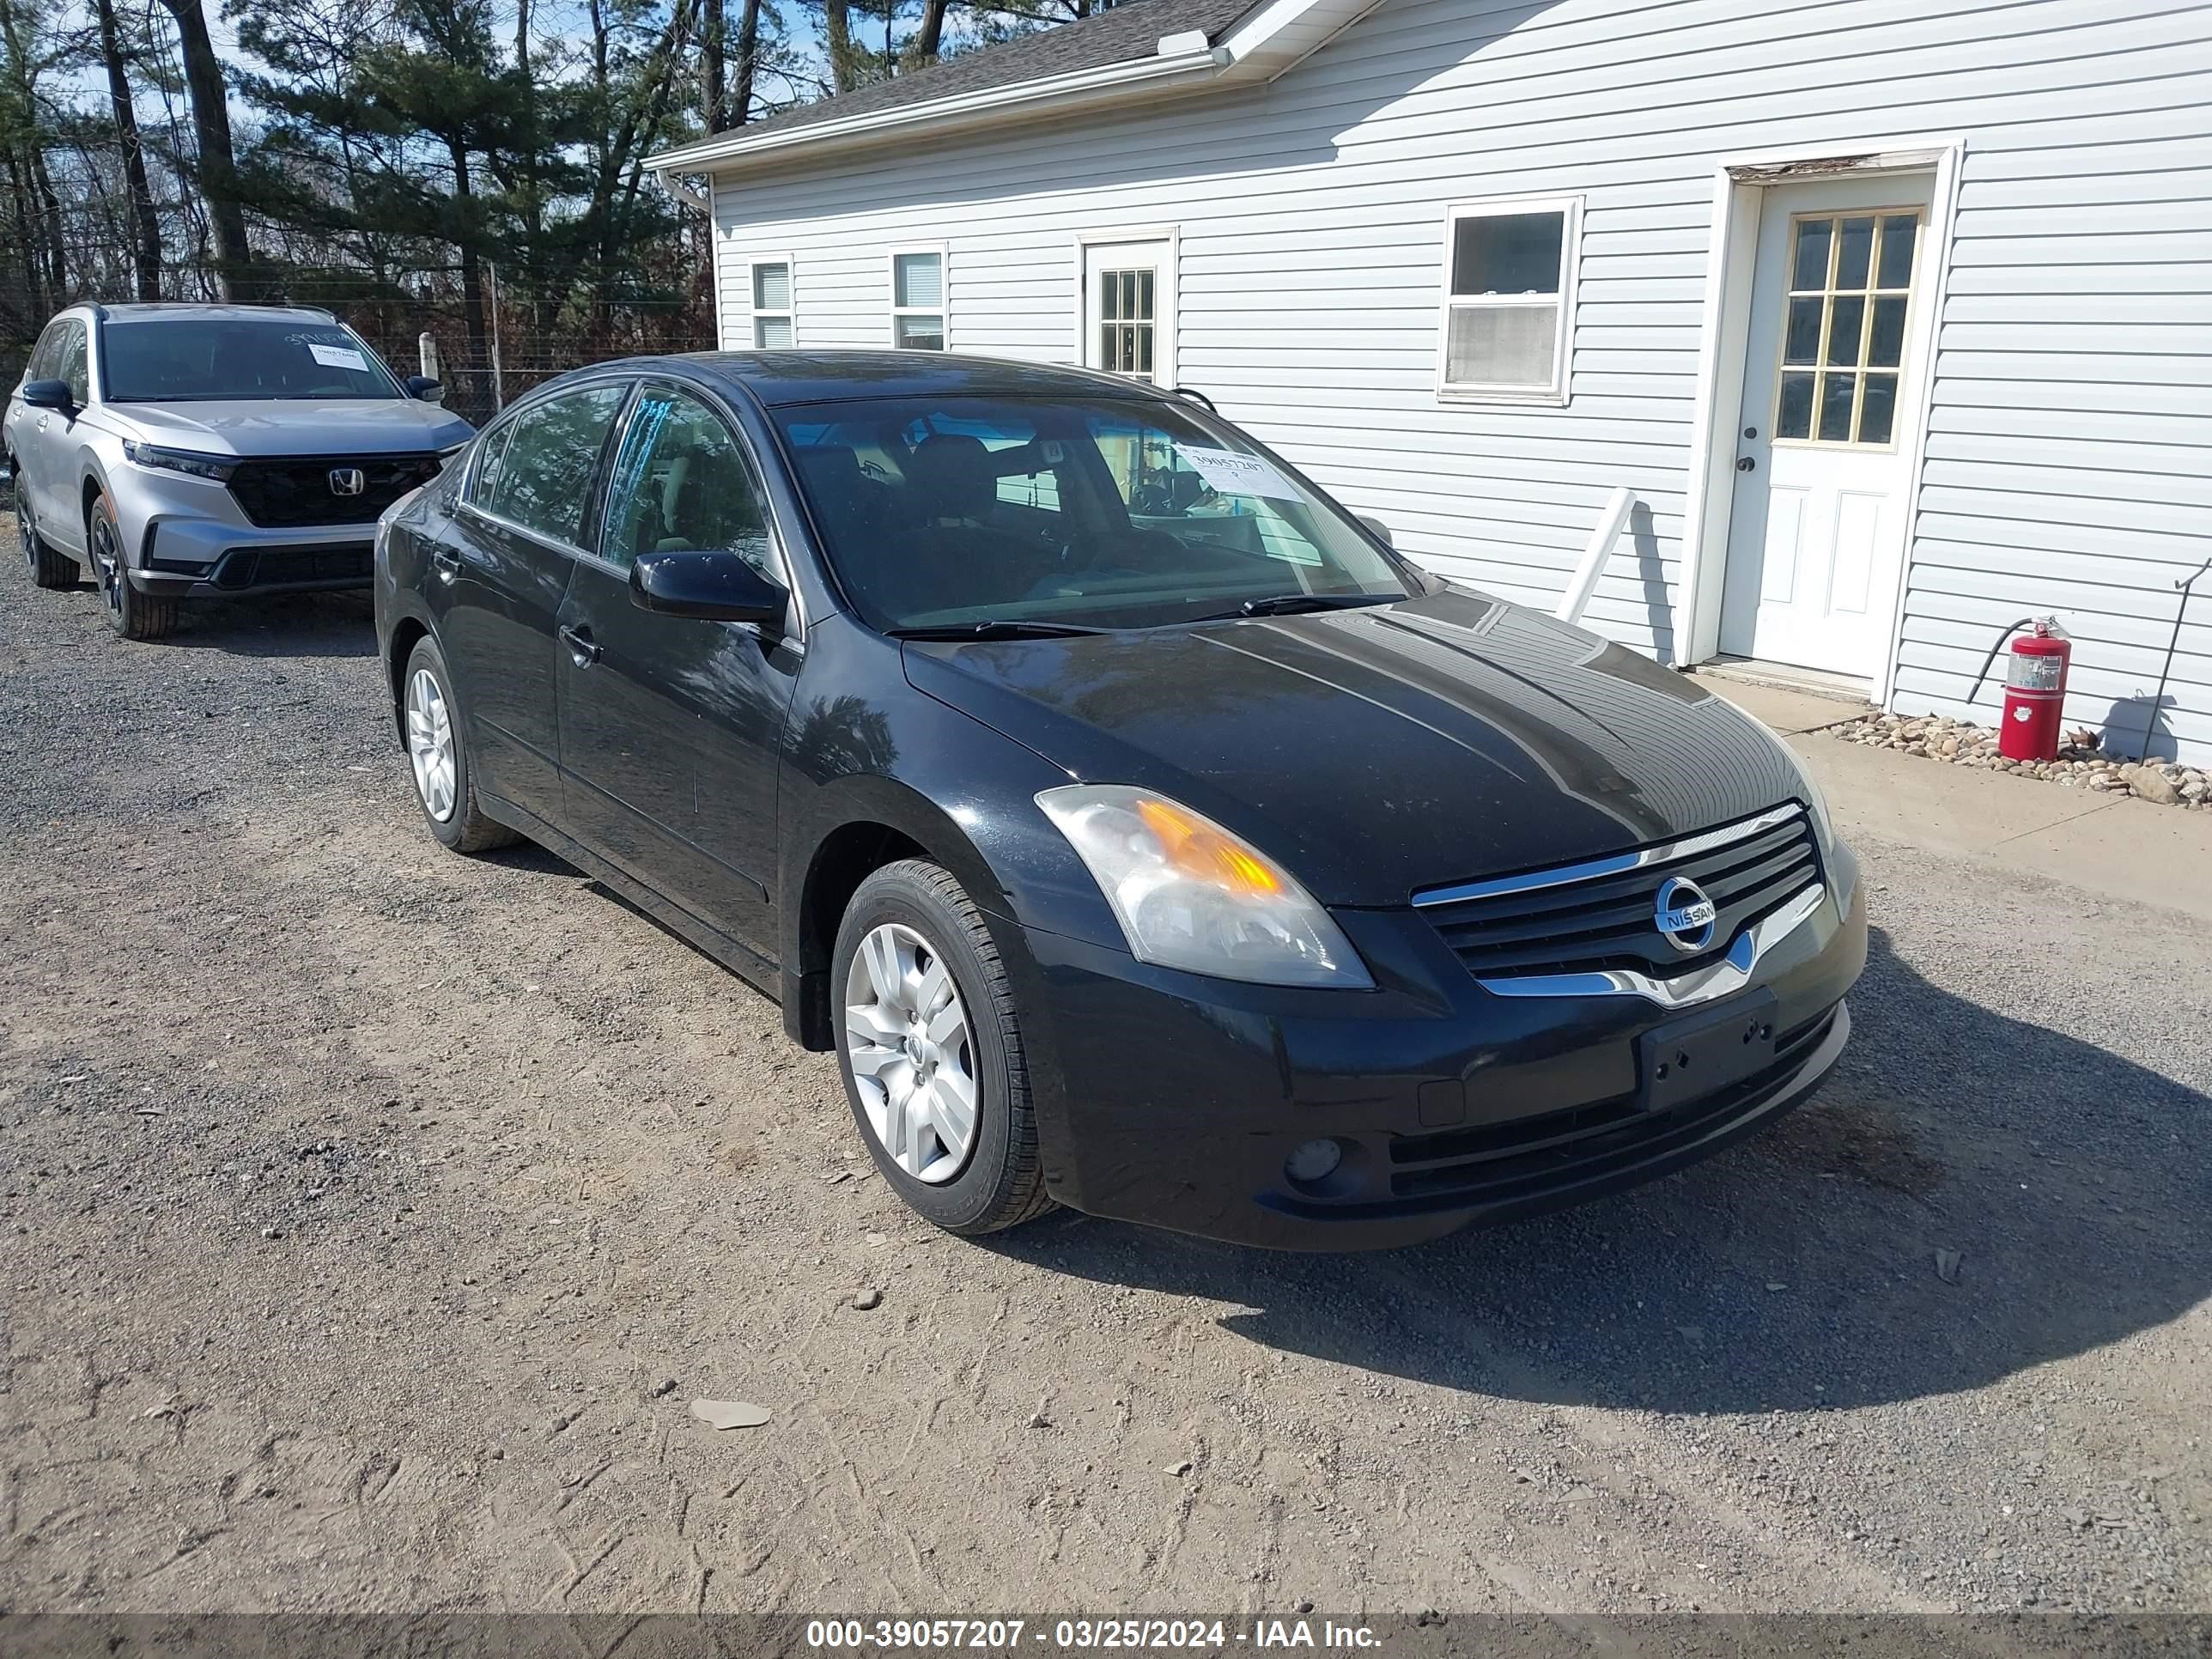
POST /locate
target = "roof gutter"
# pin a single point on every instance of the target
(1260, 46)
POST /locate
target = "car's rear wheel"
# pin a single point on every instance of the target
(48, 569)
(437, 755)
(133, 615)
(930, 1047)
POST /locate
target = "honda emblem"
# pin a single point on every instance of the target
(348, 481)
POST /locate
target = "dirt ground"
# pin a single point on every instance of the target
(370, 1216)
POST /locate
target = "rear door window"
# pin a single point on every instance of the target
(551, 459)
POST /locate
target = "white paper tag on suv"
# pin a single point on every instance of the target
(332, 356)
(1233, 474)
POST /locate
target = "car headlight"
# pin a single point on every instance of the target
(216, 467)
(1190, 895)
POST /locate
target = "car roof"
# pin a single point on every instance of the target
(190, 311)
(774, 377)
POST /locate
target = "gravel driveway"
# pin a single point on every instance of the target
(369, 1218)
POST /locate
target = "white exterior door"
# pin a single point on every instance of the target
(1128, 309)
(1816, 536)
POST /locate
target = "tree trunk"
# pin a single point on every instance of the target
(218, 161)
(147, 222)
(55, 249)
(472, 295)
(837, 30)
(713, 72)
(930, 33)
(741, 105)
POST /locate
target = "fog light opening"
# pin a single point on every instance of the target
(1314, 1161)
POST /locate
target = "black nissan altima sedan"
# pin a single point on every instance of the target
(1141, 831)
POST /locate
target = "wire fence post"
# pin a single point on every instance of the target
(498, 388)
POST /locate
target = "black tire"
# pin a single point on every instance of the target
(133, 615)
(48, 567)
(1002, 1184)
(465, 828)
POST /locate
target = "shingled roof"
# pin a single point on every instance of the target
(1121, 35)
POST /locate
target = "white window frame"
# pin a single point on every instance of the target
(789, 313)
(1556, 392)
(943, 309)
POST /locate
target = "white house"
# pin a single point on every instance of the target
(1895, 315)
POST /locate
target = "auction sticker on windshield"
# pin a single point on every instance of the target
(1233, 474)
(336, 357)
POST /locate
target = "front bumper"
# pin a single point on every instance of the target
(1173, 1099)
(202, 558)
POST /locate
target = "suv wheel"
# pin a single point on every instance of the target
(133, 615)
(438, 753)
(930, 1048)
(48, 567)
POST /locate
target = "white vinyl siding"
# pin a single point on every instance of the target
(2069, 439)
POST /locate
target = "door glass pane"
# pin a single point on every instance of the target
(551, 459)
(1794, 419)
(1809, 260)
(1803, 344)
(1502, 345)
(917, 282)
(1854, 253)
(1878, 408)
(682, 484)
(921, 333)
(1846, 318)
(72, 366)
(1508, 253)
(1900, 234)
(1836, 393)
(1839, 317)
(772, 287)
(1885, 344)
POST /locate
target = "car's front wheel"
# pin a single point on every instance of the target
(133, 615)
(930, 1047)
(438, 755)
(48, 567)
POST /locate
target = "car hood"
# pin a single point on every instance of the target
(263, 427)
(1445, 738)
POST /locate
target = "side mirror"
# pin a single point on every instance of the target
(719, 587)
(423, 386)
(48, 394)
(1380, 530)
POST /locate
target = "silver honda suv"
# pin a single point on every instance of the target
(205, 451)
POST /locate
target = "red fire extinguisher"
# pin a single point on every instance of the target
(2035, 693)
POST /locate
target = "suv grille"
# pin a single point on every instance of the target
(296, 490)
(1591, 917)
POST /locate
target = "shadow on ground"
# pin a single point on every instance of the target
(1796, 1271)
(341, 624)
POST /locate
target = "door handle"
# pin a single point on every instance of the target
(1745, 463)
(582, 646)
(449, 564)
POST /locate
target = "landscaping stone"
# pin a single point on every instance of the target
(1961, 742)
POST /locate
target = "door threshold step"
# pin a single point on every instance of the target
(1786, 677)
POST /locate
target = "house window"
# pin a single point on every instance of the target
(771, 302)
(1509, 300)
(918, 308)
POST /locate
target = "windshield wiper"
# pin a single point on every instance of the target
(994, 630)
(1283, 604)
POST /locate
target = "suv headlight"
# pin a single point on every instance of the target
(216, 467)
(1189, 895)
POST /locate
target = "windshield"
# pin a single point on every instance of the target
(996, 512)
(183, 360)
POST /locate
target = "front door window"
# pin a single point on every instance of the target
(682, 484)
(1851, 287)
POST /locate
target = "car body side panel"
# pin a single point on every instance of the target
(498, 635)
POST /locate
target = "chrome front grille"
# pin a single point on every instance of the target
(1601, 916)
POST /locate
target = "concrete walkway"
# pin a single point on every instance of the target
(2113, 845)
